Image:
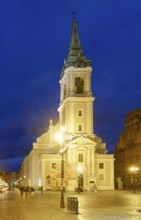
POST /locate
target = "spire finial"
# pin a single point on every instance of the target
(73, 14)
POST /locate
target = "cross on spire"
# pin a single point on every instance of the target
(73, 14)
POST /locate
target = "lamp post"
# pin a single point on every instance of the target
(134, 170)
(62, 205)
(60, 139)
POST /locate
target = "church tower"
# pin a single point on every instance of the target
(86, 160)
(76, 99)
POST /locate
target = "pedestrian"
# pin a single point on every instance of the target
(32, 192)
(78, 189)
(27, 191)
(94, 187)
(21, 190)
(81, 189)
(41, 189)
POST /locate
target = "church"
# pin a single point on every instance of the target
(78, 154)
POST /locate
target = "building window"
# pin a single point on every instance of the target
(80, 157)
(101, 176)
(54, 165)
(79, 85)
(101, 165)
(80, 127)
(80, 113)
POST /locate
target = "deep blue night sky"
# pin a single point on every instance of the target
(34, 41)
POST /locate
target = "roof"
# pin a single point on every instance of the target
(75, 56)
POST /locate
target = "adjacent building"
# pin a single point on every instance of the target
(9, 178)
(128, 152)
(82, 152)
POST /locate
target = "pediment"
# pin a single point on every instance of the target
(81, 140)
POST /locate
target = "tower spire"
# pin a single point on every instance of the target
(75, 55)
(75, 42)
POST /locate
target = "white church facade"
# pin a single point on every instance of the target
(86, 161)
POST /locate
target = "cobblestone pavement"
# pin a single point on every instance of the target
(101, 205)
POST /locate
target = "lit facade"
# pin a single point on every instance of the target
(86, 161)
(128, 151)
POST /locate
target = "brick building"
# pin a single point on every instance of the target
(128, 151)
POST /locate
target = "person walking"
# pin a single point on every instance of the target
(32, 192)
(78, 189)
(94, 187)
(21, 190)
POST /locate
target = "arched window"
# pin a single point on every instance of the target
(79, 84)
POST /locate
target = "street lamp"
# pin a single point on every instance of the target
(62, 205)
(60, 139)
(134, 170)
(24, 180)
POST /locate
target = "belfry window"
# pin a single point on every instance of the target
(79, 85)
